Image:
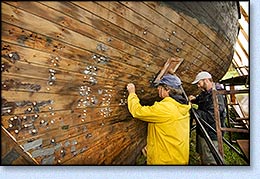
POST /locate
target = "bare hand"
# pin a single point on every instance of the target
(191, 97)
(131, 88)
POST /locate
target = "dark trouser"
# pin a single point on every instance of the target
(206, 156)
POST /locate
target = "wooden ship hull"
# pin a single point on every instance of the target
(65, 66)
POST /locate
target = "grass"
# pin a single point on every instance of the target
(230, 156)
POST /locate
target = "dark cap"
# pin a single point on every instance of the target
(171, 81)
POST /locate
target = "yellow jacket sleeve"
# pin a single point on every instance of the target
(154, 113)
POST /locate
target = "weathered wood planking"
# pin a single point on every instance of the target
(203, 34)
(63, 120)
(193, 30)
(106, 148)
(65, 66)
(32, 56)
(169, 27)
(56, 31)
(12, 153)
(223, 9)
(137, 29)
(82, 28)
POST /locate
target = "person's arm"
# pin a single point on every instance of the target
(152, 113)
(192, 99)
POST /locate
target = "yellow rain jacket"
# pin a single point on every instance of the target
(168, 130)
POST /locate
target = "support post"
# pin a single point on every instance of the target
(217, 120)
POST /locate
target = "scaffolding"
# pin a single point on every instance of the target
(238, 122)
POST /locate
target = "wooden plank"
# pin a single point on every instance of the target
(115, 31)
(56, 123)
(24, 83)
(55, 31)
(187, 26)
(156, 25)
(92, 140)
(120, 22)
(241, 29)
(211, 34)
(244, 14)
(186, 35)
(126, 158)
(64, 76)
(133, 27)
(32, 56)
(18, 148)
(78, 26)
(64, 101)
(209, 10)
(183, 35)
(235, 130)
(244, 145)
(242, 47)
(106, 156)
(65, 136)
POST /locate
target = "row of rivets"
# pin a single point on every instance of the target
(52, 77)
(90, 70)
(100, 59)
(55, 61)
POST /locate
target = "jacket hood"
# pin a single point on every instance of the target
(180, 99)
(182, 106)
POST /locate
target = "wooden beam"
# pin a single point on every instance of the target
(18, 148)
(235, 130)
(243, 12)
(242, 47)
(244, 145)
(217, 120)
(243, 31)
(232, 91)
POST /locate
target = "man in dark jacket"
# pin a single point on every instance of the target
(206, 111)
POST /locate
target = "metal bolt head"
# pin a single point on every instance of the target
(34, 131)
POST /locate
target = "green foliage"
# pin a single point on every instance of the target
(232, 72)
(194, 156)
(141, 159)
(230, 156)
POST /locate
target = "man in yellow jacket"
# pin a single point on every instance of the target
(168, 123)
